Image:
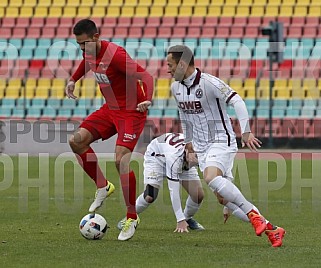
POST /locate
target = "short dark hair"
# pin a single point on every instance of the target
(181, 52)
(85, 26)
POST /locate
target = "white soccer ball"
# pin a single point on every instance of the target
(93, 226)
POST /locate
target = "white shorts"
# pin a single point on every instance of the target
(219, 155)
(154, 173)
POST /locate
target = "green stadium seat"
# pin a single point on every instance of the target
(49, 112)
(5, 112)
(54, 103)
(172, 113)
(155, 112)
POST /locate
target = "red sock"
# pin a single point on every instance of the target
(128, 184)
(270, 226)
(89, 162)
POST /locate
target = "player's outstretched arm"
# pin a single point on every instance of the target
(181, 227)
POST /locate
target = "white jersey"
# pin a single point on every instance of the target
(202, 108)
(168, 150)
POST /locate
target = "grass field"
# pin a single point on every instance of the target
(39, 225)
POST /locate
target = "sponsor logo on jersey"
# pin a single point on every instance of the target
(191, 107)
(199, 93)
(129, 137)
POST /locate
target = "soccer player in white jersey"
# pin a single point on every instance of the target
(202, 100)
(166, 157)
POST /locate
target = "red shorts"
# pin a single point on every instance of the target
(105, 123)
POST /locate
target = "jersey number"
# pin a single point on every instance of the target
(101, 78)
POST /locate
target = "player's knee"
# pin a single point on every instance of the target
(150, 193)
(198, 197)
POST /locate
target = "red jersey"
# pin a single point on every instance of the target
(118, 77)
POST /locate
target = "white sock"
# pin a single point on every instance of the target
(141, 204)
(238, 213)
(230, 193)
(190, 208)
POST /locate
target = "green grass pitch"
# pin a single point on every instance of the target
(43, 199)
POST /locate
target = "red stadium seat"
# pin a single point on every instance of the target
(46, 72)
(254, 21)
(309, 32)
(266, 20)
(312, 21)
(63, 32)
(251, 32)
(240, 21)
(107, 32)
(52, 22)
(168, 21)
(135, 32)
(179, 32)
(208, 32)
(285, 20)
(34, 32)
(124, 22)
(153, 21)
(19, 33)
(8, 22)
(109, 22)
(150, 32)
(121, 32)
(193, 32)
(48, 32)
(164, 32)
(226, 21)
(295, 32)
(37, 22)
(183, 21)
(22, 22)
(237, 32)
(5, 32)
(211, 22)
(197, 21)
(298, 21)
(138, 22)
(68, 22)
(222, 32)
(36, 64)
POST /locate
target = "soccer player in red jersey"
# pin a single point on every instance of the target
(127, 89)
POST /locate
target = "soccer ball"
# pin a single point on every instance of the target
(93, 226)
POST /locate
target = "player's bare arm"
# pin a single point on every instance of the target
(143, 106)
(251, 141)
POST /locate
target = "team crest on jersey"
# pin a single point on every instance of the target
(199, 93)
(225, 90)
(103, 66)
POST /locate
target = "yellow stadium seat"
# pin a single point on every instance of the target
(12, 93)
(115, 3)
(88, 88)
(84, 12)
(88, 3)
(202, 3)
(163, 93)
(314, 11)
(315, 3)
(297, 93)
(58, 3)
(288, 3)
(44, 83)
(242, 11)
(309, 83)
(142, 11)
(145, 3)
(228, 11)
(313, 93)
(55, 12)
(233, 3)
(275, 2)
(30, 3)
(300, 11)
(26, 12)
(16, 3)
(73, 3)
(241, 92)
(214, 11)
(31, 84)
(113, 11)
(236, 83)
(2, 93)
(200, 11)
(303, 2)
(185, 11)
(188, 3)
(271, 11)
(70, 12)
(171, 11)
(127, 11)
(99, 3)
(246, 2)
(161, 3)
(4, 3)
(98, 12)
(2, 83)
(174, 3)
(250, 93)
(130, 3)
(98, 92)
(12, 12)
(58, 88)
(280, 83)
(13, 88)
(258, 11)
(259, 2)
(217, 3)
(40, 12)
(282, 93)
(156, 11)
(2, 12)
(249, 83)
(162, 83)
(44, 3)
